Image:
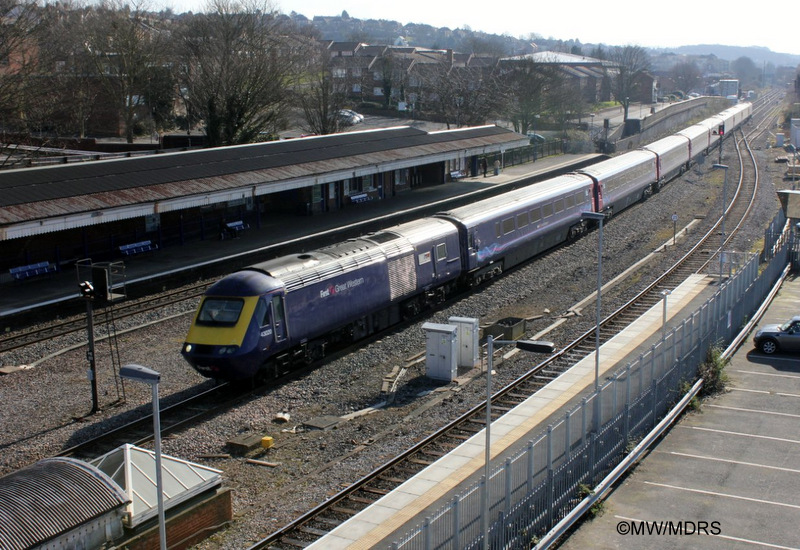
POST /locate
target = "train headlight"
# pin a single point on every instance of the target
(227, 350)
(187, 348)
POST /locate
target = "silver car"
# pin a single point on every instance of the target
(773, 338)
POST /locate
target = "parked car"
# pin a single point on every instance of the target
(346, 116)
(536, 138)
(774, 338)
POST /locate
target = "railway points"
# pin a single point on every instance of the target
(62, 287)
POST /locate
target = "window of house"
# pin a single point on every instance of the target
(377, 91)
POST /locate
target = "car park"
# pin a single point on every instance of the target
(773, 338)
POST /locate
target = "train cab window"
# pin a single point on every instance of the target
(547, 210)
(559, 205)
(570, 201)
(441, 252)
(508, 226)
(220, 311)
(535, 215)
(261, 314)
(522, 220)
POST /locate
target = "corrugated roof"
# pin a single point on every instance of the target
(52, 497)
(57, 191)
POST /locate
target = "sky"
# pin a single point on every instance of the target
(619, 22)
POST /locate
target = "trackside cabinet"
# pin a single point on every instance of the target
(441, 358)
(468, 340)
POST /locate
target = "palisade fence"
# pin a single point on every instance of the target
(538, 485)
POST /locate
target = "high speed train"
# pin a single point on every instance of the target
(268, 317)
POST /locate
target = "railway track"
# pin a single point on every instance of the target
(351, 500)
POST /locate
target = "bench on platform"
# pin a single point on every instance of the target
(457, 175)
(137, 248)
(33, 270)
(361, 197)
(234, 228)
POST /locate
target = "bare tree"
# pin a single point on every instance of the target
(525, 83)
(461, 95)
(321, 96)
(18, 60)
(631, 62)
(125, 43)
(238, 66)
(686, 75)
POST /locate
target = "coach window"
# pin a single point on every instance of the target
(535, 215)
(522, 220)
(508, 226)
(570, 201)
(441, 252)
(547, 210)
(559, 205)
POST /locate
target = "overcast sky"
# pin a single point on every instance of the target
(620, 22)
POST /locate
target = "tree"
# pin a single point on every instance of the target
(686, 75)
(125, 43)
(746, 71)
(238, 65)
(321, 95)
(19, 60)
(525, 84)
(631, 63)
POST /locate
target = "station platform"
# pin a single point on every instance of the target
(404, 508)
(18, 297)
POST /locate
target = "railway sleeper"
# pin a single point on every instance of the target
(375, 491)
(362, 500)
(294, 542)
(312, 531)
(346, 511)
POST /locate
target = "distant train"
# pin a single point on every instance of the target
(266, 318)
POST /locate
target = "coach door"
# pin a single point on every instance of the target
(278, 318)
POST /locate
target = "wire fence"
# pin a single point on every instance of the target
(541, 482)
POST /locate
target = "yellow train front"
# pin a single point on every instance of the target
(238, 324)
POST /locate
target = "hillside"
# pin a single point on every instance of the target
(344, 28)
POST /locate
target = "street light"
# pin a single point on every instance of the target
(151, 377)
(724, 200)
(525, 345)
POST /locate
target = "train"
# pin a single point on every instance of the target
(272, 316)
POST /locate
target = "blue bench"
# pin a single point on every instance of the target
(361, 197)
(33, 270)
(234, 228)
(456, 175)
(137, 248)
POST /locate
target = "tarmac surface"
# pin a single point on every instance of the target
(727, 475)
(17, 297)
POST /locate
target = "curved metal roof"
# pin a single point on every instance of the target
(52, 497)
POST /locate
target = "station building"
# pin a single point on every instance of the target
(53, 216)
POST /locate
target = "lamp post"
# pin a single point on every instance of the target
(525, 345)
(151, 377)
(598, 217)
(724, 200)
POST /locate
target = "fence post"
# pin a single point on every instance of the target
(627, 422)
(583, 421)
(566, 435)
(550, 480)
(507, 472)
(531, 466)
(426, 533)
(456, 522)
